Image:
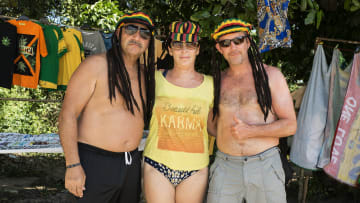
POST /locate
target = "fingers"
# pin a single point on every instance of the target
(75, 181)
(76, 189)
(79, 191)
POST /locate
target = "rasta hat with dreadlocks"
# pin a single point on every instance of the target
(136, 17)
(184, 31)
(260, 76)
(230, 26)
(118, 76)
(178, 31)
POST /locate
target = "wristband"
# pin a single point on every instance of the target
(73, 165)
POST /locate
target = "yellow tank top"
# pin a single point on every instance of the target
(178, 135)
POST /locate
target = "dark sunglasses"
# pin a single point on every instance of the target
(180, 45)
(236, 40)
(133, 29)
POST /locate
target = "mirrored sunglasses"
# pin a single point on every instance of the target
(181, 45)
(133, 29)
(236, 40)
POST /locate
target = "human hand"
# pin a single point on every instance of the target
(240, 129)
(75, 180)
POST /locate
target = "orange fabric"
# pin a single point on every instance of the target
(37, 45)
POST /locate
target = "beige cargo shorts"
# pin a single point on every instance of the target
(256, 179)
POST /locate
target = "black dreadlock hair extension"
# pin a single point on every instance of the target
(261, 79)
(168, 61)
(118, 78)
(216, 73)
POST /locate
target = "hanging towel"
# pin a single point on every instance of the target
(345, 154)
(311, 120)
(340, 75)
(274, 27)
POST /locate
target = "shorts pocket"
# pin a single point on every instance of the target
(215, 179)
(278, 169)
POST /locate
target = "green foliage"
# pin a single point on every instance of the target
(34, 9)
(103, 14)
(308, 19)
(29, 117)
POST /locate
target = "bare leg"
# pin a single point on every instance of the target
(192, 189)
(158, 188)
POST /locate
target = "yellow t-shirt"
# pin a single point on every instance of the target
(71, 59)
(178, 135)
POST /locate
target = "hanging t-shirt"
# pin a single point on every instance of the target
(31, 43)
(178, 135)
(107, 40)
(93, 42)
(8, 52)
(72, 58)
(56, 48)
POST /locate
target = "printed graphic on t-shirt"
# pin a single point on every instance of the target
(89, 48)
(27, 48)
(180, 124)
(5, 41)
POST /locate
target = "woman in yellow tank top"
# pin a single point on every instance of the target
(176, 153)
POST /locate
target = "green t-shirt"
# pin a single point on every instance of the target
(56, 47)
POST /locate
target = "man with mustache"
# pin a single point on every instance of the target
(253, 109)
(107, 103)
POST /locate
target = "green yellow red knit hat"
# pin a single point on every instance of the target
(231, 25)
(136, 17)
(184, 31)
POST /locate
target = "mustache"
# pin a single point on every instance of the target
(135, 42)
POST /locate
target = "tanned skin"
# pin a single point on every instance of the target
(158, 188)
(87, 115)
(241, 129)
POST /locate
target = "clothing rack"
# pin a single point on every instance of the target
(320, 39)
(60, 25)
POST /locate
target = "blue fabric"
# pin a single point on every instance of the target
(274, 27)
(107, 40)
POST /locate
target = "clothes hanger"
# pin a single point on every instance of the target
(357, 50)
(23, 17)
(44, 20)
(86, 27)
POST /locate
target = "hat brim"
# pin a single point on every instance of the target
(150, 27)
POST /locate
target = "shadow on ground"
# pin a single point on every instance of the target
(38, 178)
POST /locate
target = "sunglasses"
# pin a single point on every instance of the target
(133, 29)
(236, 40)
(181, 45)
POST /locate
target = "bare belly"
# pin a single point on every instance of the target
(227, 143)
(112, 131)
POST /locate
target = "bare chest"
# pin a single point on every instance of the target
(102, 94)
(238, 93)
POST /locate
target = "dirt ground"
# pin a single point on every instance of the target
(38, 178)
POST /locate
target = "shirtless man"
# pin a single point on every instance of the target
(103, 114)
(255, 110)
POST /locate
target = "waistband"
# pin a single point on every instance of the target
(102, 151)
(260, 156)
